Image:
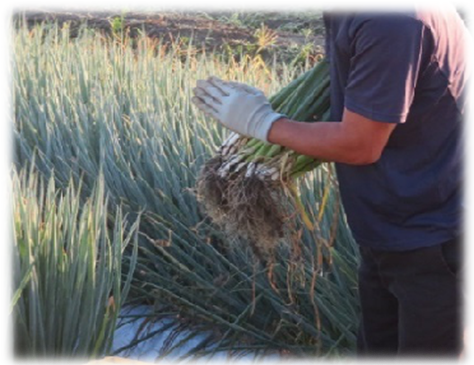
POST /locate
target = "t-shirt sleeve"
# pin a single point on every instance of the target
(387, 53)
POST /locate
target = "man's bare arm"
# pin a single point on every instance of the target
(356, 140)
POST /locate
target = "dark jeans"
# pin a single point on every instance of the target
(411, 301)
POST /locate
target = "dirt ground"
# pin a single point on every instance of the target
(290, 32)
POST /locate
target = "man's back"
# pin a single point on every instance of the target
(409, 69)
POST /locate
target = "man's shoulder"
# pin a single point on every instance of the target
(408, 9)
(384, 10)
(384, 22)
(426, 14)
(432, 19)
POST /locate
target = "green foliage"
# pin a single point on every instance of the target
(87, 106)
(67, 263)
(117, 25)
(303, 54)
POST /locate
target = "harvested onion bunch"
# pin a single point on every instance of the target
(248, 186)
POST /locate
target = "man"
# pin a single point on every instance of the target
(397, 101)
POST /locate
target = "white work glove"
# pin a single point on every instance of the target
(239, 107)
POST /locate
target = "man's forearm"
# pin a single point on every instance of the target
(328, 141)
(355, 140)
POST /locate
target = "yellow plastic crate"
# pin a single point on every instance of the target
(116, 361)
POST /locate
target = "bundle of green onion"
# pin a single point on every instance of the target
(248, 186)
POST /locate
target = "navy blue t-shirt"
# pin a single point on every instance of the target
(408, 69)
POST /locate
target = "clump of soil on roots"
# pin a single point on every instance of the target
(211, 190)
(258, 213)
(249, 207)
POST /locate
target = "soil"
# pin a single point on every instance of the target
(216, 31)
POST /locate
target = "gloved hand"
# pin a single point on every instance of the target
(239, 107)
